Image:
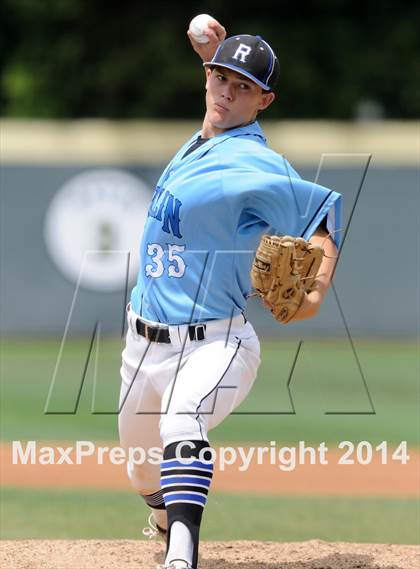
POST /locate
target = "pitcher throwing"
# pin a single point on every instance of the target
(191, 357)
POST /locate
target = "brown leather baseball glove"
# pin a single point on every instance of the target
(284, 268)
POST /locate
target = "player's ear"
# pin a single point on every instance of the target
(208, 71)
(266, 100)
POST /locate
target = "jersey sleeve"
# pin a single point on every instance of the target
(290, 205)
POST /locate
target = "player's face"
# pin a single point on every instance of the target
(232, 99)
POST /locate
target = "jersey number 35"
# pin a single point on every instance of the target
(175, 266)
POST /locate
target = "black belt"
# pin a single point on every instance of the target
(161, 335)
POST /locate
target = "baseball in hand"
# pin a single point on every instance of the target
(197, 27)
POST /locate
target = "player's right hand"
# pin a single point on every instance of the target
(216, 34)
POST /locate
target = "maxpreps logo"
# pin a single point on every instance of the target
(93, 228)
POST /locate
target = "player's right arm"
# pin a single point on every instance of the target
(216, 34)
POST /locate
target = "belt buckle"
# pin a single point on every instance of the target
(146, 331)
(151, 333)
(199, 332)
(155, 334)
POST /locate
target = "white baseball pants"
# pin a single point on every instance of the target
(170, 393)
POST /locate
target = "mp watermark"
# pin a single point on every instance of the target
(286, 458)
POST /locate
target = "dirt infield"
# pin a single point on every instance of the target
(312, 554)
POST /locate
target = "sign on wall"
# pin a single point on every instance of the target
(93, 225)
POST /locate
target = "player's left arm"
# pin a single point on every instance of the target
(312, 301)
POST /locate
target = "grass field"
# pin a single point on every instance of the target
(326, 379)
(78, 514)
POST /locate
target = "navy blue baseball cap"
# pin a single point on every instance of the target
(250, 56)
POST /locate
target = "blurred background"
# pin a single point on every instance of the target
(95, 98)
(74, 59)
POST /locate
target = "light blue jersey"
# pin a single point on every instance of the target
(207, 215)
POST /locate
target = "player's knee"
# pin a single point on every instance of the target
(143, 480)
(180, 427)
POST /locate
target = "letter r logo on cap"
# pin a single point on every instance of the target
(242, 52)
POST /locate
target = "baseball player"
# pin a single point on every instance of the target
(191, 356)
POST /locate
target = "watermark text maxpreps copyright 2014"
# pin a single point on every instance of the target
(287, 458)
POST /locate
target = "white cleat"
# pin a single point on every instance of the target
(176, 564)
(153, 530)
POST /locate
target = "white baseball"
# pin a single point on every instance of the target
(197, 27)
